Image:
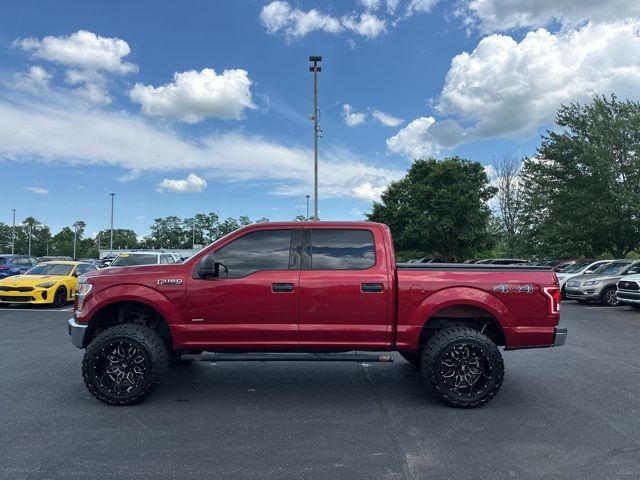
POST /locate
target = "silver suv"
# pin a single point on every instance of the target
(600, 286)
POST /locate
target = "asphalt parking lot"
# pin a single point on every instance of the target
(570, 412)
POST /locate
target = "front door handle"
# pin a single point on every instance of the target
(282, 287)
(371, 288)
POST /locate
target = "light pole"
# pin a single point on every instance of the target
(30, 239)
(13, 231)
(75, 236)
(111, 239)
(193, 235)
(315, 68)
(308, 197)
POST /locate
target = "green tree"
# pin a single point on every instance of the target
(439, 207)
(34, 232)
(168, 232)
(123, 238)
(582, 189)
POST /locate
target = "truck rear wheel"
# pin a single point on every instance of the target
(124, 364)
(462, 366)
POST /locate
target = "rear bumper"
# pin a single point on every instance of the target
(560, 336)
(77, 333)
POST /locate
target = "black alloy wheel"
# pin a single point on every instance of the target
(60, 297)
(463, 367)
(124, 364)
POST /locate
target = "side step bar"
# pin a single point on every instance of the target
(288, 357)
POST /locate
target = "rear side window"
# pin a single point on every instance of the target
(262, 250)
(340, 250)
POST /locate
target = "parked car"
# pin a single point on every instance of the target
(320, 287)
(502, 261)
(628, 290)
(50, 258)
(576, 269)
(53, 283)
(12, 264)
(601, 285)
(103, 262)
(131, 259)
(430, 260)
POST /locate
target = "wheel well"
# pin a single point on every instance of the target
(463, 316)
(129, 312)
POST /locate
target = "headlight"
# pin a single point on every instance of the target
(46, 285)
(591, 282)
(81, 293)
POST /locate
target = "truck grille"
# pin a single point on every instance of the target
(16, 289)
(626, 285)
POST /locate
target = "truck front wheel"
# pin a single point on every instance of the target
(462, 366)
(124, 364)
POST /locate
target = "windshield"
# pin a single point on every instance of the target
(51, 269)
(611, 269)
(126, 260)
(575, 267)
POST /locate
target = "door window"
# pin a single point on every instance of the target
(263, 250)
(340, 250)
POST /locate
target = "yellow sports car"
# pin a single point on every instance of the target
(52, 283)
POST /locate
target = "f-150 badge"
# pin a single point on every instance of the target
(170, 281)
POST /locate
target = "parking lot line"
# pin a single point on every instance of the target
(70, 309)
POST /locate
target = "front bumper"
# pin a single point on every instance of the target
(631, 298)
(560, 336)
(35, 296)
(589, 294)
(77, 333)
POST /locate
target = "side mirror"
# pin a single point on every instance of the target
(207, 267)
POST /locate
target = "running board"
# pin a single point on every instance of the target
(288, 357)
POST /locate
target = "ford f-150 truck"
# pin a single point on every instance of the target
(316, 289)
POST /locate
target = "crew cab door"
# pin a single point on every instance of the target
(344, 289)
(253, 302)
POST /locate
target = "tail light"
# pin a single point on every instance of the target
(553, 299)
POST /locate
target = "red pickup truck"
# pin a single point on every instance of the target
(315, 289)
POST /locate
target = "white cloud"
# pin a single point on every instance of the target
(419, 6)
(368, 191)
(69, 133)
(501, 15)
(278, 16)
(193, 96)
(506, 88)
(82, 49)
(193, 183)
(366, 24)
(87, 56)
(386, 119)
(38, 190)
(35, 80)
(351, 118)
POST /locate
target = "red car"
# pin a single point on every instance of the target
(321, 288)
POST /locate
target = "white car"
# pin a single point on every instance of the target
(581, 267)
(130, 259)
(628, 291)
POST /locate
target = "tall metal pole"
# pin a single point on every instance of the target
(13, 231)
(75, 236)
(111, 239)
(29, 239)
(315, 68)
(308, 196)
(193, 235)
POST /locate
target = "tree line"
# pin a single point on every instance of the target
(578, 196)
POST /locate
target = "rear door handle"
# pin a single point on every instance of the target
(371, 288)
(282, 287)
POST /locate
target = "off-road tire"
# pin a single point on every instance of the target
(437, 349)
(412, 357)
(149, 345)
(606, 297)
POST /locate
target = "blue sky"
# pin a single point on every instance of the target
(188, 107)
